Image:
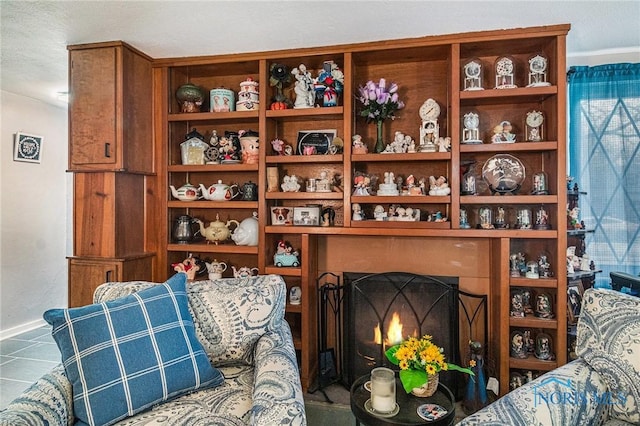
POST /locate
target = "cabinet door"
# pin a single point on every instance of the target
(86, 275)
(92, 107)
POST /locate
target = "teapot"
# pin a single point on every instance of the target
(249, 191)
(186, 192)
(246, 233)
(216, 269)
(216, 231)
(183, 230)
(220, 191)
(244, 272)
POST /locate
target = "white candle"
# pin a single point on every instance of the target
(383, 390)
(383, 403)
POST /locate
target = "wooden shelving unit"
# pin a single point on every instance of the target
(427, 67)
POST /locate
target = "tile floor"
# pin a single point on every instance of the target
(23, 359)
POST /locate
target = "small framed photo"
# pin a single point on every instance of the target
(575, 290)
(27, 148)
(312, 142)
(306, 216)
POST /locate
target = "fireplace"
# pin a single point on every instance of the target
(381, 309)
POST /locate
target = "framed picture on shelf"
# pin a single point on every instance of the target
(306, 216)
(312, 142)
(27, 148)
(575, 290)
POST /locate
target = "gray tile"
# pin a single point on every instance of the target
(28, 370)
(41, 351)
(11, 389)
(9, 346)
(34, 334)
(45, 338)
(4, 359)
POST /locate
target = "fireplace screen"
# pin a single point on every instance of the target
(382, 309)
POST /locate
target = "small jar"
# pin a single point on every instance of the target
(383, 390)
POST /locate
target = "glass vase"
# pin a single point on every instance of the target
(380, 145)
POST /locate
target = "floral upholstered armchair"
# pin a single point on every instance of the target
(601, 387)
(218, 352)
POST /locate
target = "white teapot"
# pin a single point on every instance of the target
(186, 192)
(216, 269)
(246, 233)
(244, 272)
(220, 191)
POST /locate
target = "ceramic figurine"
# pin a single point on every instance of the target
(438, 186)
(444, 144)
(379, 213)
(361, 184)
(543, 306)
(290, 184)
(328, 216)
(323, 184)
(523, 218)
(357, 212)
(248, 96)
(518, 349)
(502, 133)
(486, 218)
(358, 147)
(389, 187)
(305, 94)
(543, 347)
(517, 306)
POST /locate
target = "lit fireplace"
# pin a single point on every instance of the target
(380, 310)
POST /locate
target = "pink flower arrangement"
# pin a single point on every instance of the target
(379, 101)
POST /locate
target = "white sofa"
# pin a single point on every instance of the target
(241, 327)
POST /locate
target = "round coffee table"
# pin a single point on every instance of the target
(408, 404)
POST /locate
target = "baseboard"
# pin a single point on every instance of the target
(22, 328)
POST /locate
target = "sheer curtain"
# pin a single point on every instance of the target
(604, 159)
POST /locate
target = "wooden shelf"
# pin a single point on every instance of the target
(512, 147)
(416, 156)
(213, 204)
(533, 322)
(304, 195)
(213, 248)
(176, 168)
(336, 112)
(532, 282)
(500, 96)
(284, 271)
(401, 199)
(400, 224)
(293, 308)
(509, 199)
(301, 159)
(210, 116)
(532, 363)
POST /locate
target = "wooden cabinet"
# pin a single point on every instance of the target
(92, 272)
(423, 68)
(111, 155)
(110, 108)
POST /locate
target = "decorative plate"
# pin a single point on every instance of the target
(504, 174)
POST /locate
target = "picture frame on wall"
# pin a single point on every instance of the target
(27, 147)
(575, 290)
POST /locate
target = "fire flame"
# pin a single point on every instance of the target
(394, 332)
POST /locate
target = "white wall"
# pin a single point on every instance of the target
(35, 208)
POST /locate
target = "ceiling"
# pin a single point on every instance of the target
(34, 34)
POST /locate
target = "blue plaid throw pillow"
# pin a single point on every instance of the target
(128, 354)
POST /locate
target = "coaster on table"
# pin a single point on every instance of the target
(431, 412)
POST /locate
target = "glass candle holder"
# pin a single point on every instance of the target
(383, 390)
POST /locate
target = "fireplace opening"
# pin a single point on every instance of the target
(381, 310)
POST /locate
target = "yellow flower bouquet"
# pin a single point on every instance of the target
(418, 359)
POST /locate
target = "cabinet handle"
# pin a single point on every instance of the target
(107, 150)
(107, 276)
